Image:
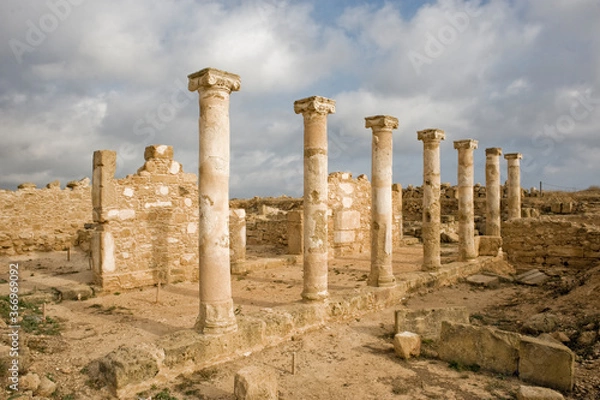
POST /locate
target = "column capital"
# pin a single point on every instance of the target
(513, 156)
(314, 104)
(431, 135)
(493, 151)
(466, 144)
(381, 122)
(213, 78)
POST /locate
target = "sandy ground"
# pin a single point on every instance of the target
(348, 360)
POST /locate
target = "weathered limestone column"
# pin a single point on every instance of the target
(466, 213)
(237, 240)
(216, 304)
(104, 166)
(431, 197)
(514, 185)
(381, 200)
(314, 110)
(493, 191)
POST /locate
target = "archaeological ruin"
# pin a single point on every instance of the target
(349, 247)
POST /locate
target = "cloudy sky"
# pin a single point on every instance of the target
(83, 75)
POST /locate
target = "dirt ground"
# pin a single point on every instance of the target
(347, 360)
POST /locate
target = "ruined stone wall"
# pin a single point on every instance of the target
(551, 241)
(147, 223)
(44, 219)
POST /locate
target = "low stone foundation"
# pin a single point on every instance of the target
(186, 350)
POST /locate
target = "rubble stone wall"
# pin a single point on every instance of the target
(44, 219)
(146, 223)
(548, 241)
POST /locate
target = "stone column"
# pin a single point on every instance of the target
(466, 214)
(514, 185)
(431, 197)
(493, 191)
(381, 200)
(216, 304)
(314, 110)
(104, 199)
(237, 240)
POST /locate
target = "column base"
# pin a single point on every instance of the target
(378, 280)
(315, 296)
(430, 267)
(216, 318)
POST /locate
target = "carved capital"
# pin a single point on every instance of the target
(513, 156)
(467, 144)
(493, 151)
(314, 104)
(381, 122)
(211, 78)
(431, 135)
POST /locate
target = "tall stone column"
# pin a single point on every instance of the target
(493, 191)
(514, 185)
(381, 200)
(216, 304)
(431, 197)
(315, 110)
(466, 213)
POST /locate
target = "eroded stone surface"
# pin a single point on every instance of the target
(431, 197)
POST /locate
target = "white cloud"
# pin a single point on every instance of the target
(498, 71)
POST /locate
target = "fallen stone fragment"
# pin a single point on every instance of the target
(546, 363)
(407, 344)
(74, 292)
(255, 383)
(532, 277)
(537, 393)
(46, 387)
(30, 381)
(483, 280)
(427, 322)
(541, 323)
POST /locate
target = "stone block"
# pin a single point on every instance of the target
(537, 393)
(255, 383)
(489, 245)
(74, 292)
(428, 322)
(347, 220)
(407, 344)
(449, 237)
(483, 280)
(340, 237)
(160, 151)
(489, 348)
(545, 363)
(130, 365)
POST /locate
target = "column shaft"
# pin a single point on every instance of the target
(431, 197)
(514, 185)
(466, 214)
(315, 110)
(493, 191)
(381, 200)
(216, 304)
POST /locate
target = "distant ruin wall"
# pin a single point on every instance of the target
(551, 242)
(44, 219)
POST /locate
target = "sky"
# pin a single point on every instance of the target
(81, 75)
